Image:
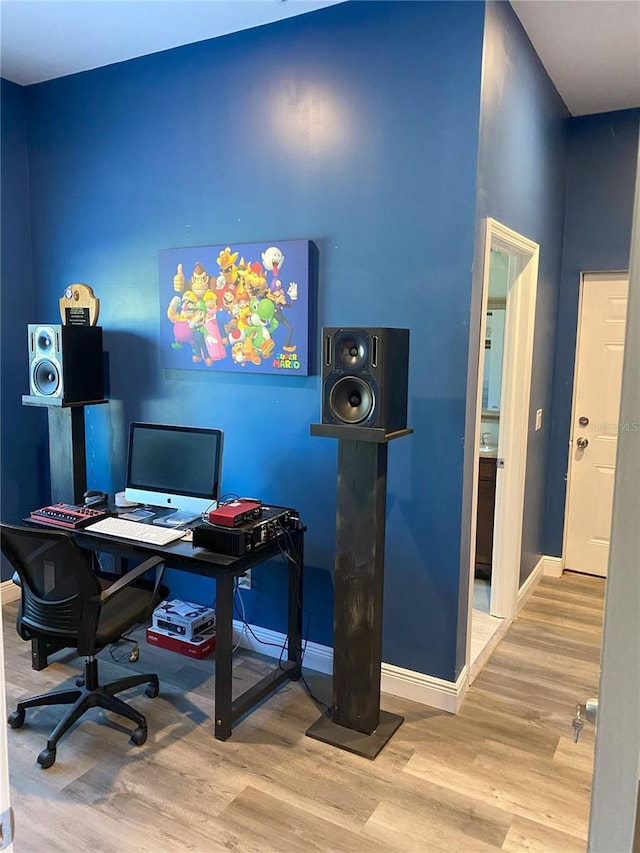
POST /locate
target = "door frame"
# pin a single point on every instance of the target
(6, 816)
(603, 274)
(514, 417)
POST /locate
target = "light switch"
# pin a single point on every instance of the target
(538, 419)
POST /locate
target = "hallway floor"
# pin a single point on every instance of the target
(502, 774)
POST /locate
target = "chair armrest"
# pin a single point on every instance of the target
(129, 577)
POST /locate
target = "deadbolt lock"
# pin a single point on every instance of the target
(583, 421)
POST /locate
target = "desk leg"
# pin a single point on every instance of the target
(295, 602)
(224, 647)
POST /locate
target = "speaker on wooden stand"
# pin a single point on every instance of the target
(65, 363)
(66, 374)
(364, 377)
(364, 406)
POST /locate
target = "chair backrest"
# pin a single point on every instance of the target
(60, 592)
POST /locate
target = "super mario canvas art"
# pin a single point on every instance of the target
(242, 307)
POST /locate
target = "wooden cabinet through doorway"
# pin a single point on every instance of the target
(486, 512)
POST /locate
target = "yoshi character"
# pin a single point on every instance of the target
(258, 341)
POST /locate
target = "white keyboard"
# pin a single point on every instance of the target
(135, 530)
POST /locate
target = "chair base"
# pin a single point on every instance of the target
(82, 699)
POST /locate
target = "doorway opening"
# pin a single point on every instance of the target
(510, 277)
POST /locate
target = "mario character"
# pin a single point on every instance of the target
(272, 260)
(199, 280)
(180, 312)
(255, 281)
(213, 339)
(197, 325)
(237, 353)
(226, 280)
(233, 334)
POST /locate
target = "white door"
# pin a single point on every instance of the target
(595, 421)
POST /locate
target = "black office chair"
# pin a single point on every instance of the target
(65, 603)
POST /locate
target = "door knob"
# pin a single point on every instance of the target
(588, 710)
(582, 442)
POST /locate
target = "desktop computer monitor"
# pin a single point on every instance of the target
(174, 466)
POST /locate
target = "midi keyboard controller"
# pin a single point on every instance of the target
(70, 516)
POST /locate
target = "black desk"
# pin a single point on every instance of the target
(181, 555)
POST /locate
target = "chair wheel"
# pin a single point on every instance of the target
(47, 758)
(152, 690)
(80, 682)
(138, 736)
(16, 719)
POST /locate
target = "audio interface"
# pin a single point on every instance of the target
(235, 513)
(239, 541)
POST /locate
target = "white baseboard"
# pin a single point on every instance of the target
(9, 591)
(553, 566)
(425, 689)
(405, 683)
(549, 567)
(530, 584)
(256, 638)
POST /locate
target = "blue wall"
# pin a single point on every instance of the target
(355, 127)
(521, 183)
(322, 127)
(597, 237)
(24, 437)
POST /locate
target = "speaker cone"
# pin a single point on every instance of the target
(351, 400)
(46, 377)
(351, 350)
(44, 341)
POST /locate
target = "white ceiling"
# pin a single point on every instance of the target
(590, 48)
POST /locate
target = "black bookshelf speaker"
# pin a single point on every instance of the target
(365, 376)
(65, 363)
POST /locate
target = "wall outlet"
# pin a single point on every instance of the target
(244, 581)
(538, 419)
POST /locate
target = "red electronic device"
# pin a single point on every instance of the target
(235, 513)
(70, 516)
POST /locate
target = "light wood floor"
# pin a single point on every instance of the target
(503, 774)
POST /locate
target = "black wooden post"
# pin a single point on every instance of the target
(359, 578)
(357, 724)
(67, 454)
(67, 472)
(67, 446)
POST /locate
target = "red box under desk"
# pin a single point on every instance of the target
(200, 647)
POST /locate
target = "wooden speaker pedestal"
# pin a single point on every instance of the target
(67, 446)
(356, 723)
(67, 470)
